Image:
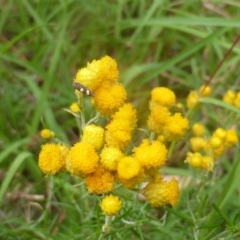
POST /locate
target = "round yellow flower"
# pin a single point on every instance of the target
(89, 77)
(128, 167)
(192, 99)
(194, 159)
(229, 97)
(111, 205)
(131, 182)
(110, 157)
(161, 138)
(220, 133)
(205, 90)
(162, 96)
(126, 113)
(100, 181)
(198, 129)
(118, 133)
(82, 159)
(179, 106)
(197, 143)
(46, 133)
(176, 127)
(151, 155)
(109, 98)
(119, 130)
(215, 142)
(93, 134)
(162, 193)
(207, 163)
(231, 138)
(158, 119)
(52, 158)
(98, 71)
(75, 107)
(109, 69)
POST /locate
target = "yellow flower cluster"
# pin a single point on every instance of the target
(122, 123)
(94, 135)
(160, 120)
(232, 98)
(46, 134)
(52, 158)
(74, 107)
(100, 157)
(197, 160)
(206, 150)
(151, 155)
(101, 77)
(193, 97)
(111, 205)
(159, 193)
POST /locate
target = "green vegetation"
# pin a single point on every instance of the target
(175, 44)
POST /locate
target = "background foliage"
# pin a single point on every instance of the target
(176, 44)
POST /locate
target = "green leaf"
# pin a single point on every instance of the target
(220, 103)
(11, 172)
(222, 214)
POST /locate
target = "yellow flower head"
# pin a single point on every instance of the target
(231, 138)
(52, 158)
(98, 71)
(158, 119)
(126, 113)
(75, 107)
(179, 106)
(220, 133)
(109, 98)
(176, 127)
(93, 134)
(111, 205)
(119, 130)
(161, 138)
(100, 181)
(109, 69)
(229, 97)
(205, 90)
(198, 129)
(196, 160)
(131, 182)
(128, 167)
(110, 157)
(46, 133)
(197, 143)
(207, 163)
(162, 193)
(162, 96)
(216, 142)
(192, 99)
(118, 134)
(151, 155)
(82, 159)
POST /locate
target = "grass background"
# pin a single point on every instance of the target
(176, 44)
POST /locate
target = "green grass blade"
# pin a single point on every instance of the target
(12, 170)
(220, 103)
(12, 148)
(222, 215)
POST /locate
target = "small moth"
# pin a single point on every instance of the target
(83, 89)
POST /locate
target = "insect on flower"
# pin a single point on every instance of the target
(83, 89)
